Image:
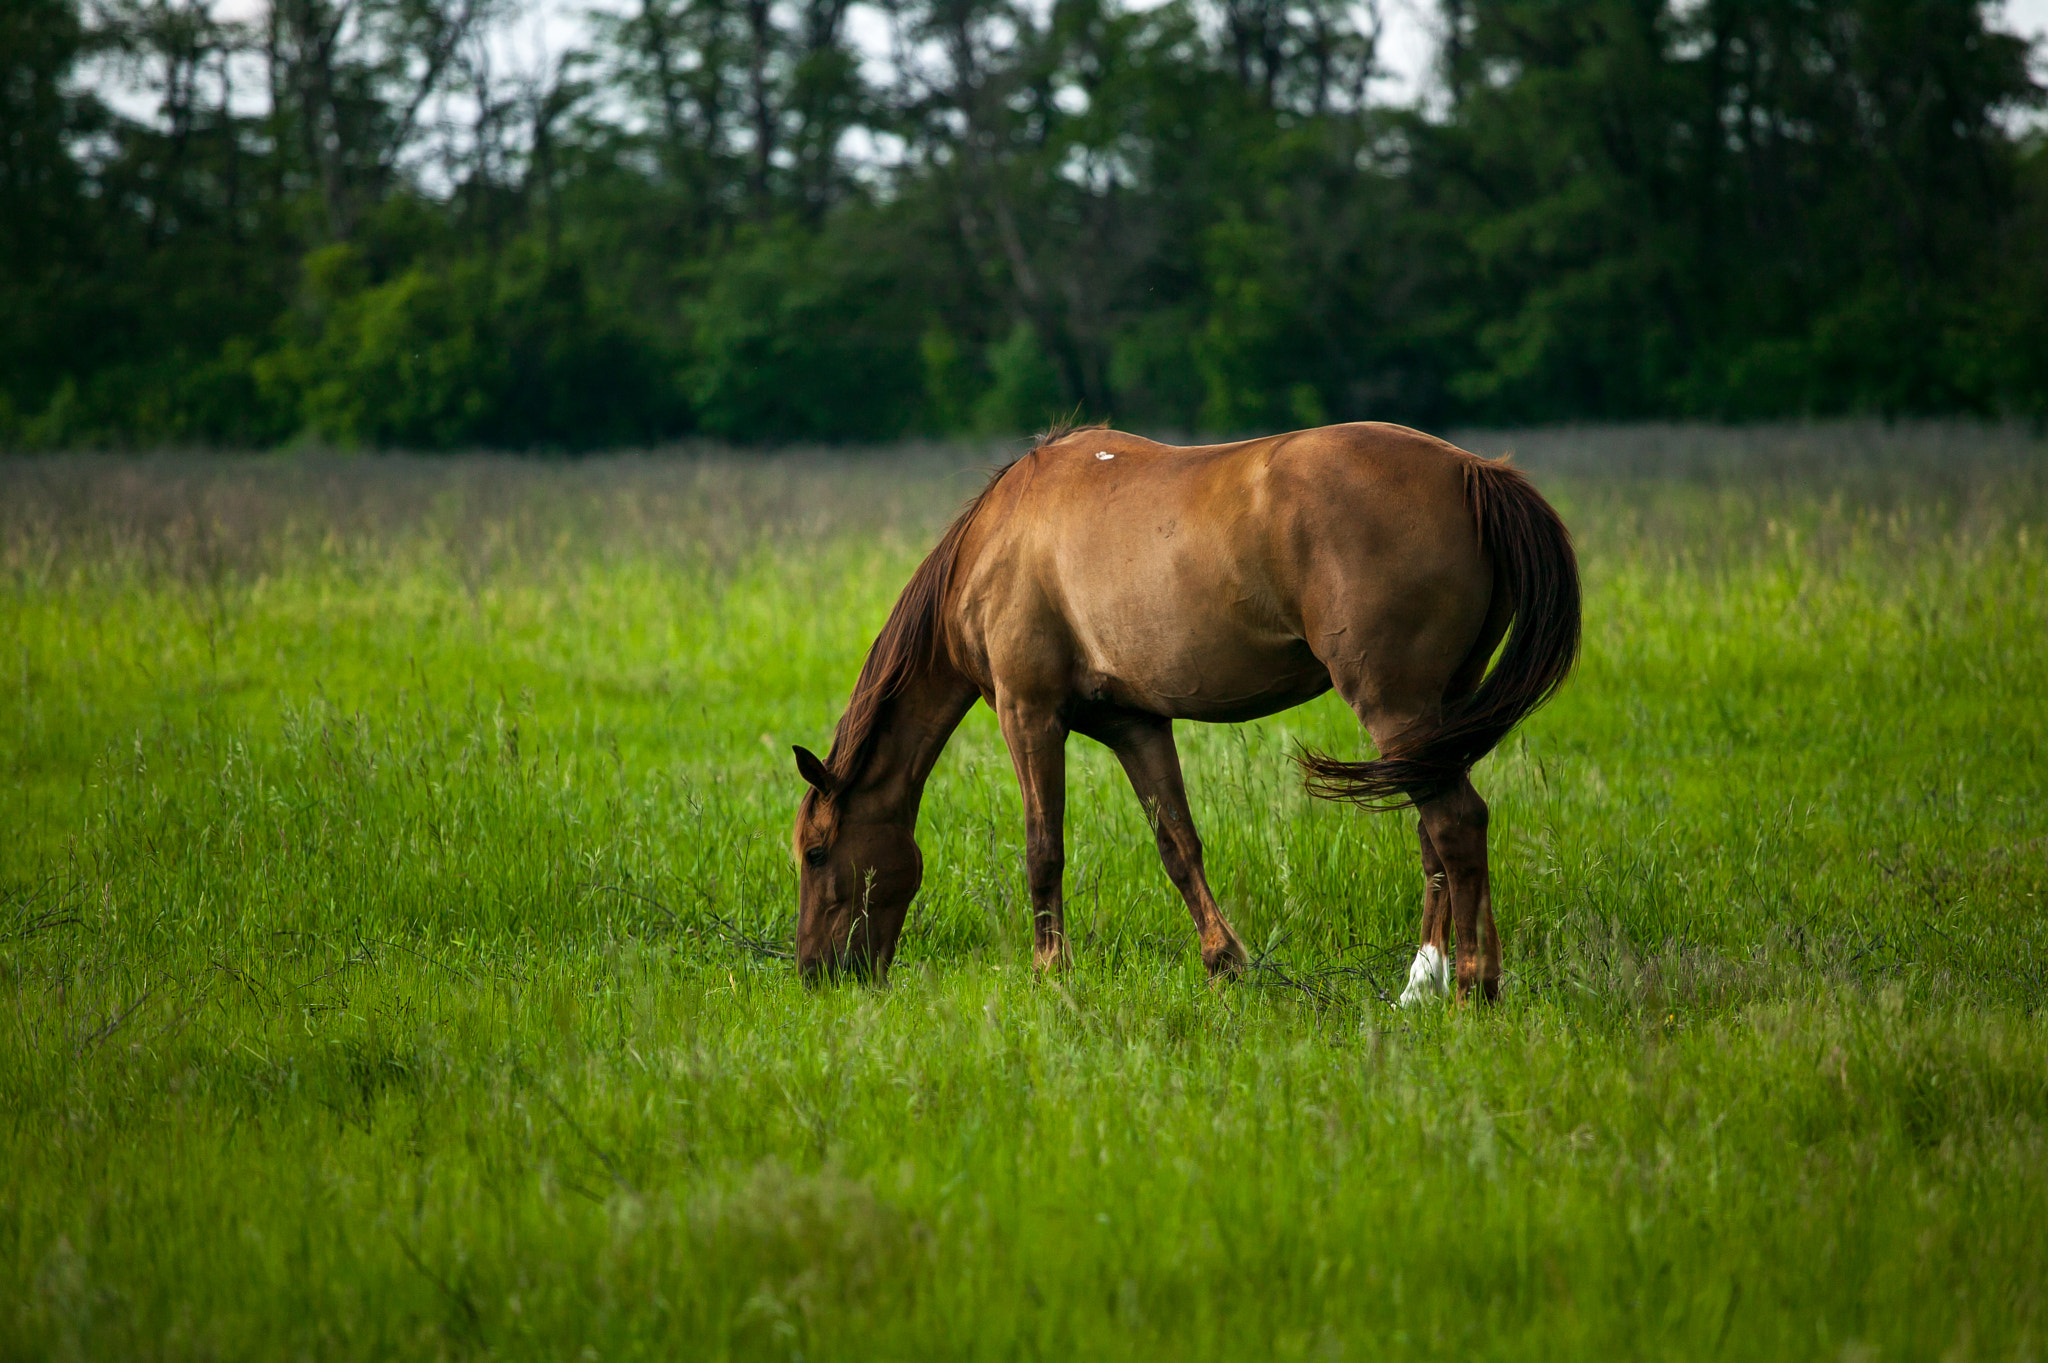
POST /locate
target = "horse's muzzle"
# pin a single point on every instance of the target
(833, 967)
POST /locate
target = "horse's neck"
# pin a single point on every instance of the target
(912, 733)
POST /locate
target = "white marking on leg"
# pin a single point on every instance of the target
(1429, 977)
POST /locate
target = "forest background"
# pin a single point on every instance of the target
(342, 222)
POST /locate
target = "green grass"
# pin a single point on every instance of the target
(390, 849)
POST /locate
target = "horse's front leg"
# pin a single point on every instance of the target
(1038, 747)
(1145, 746)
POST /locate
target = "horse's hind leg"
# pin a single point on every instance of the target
(1429, 975)
(1458, 895)
(1454, 825)
(1144, 744)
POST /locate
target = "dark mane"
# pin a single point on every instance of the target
(913, 637)
(1060, 430)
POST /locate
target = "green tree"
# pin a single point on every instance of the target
(1746, 207)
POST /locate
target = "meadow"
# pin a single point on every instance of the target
(395, 905)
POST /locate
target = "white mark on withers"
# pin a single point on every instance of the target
(1104, 454)
(1429, 976)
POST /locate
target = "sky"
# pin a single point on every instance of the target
(1408, 38)
(544, 29)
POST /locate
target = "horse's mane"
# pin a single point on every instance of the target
(913, 637)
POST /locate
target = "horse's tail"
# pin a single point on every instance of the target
(1533, 564)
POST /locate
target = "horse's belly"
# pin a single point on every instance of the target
(1209, 669)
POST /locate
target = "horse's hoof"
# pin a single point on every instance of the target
(1227, 963)
(1483, 994)
(1429, 977)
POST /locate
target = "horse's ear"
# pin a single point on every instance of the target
(815, 771)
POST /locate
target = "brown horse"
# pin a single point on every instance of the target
(1107, 585)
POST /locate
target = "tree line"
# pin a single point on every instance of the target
(345, 221)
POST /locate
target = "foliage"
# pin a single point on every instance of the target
(505, 350)
(395, 847)
(344, 223)
(799, 336)
(1736, 208)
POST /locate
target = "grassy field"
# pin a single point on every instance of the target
(394, 892)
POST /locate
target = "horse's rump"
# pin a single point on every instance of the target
(1535, 568)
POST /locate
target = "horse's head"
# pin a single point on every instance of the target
(856, 877)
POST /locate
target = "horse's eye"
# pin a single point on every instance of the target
(815, 857)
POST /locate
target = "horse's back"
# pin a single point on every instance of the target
(1216, 581)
